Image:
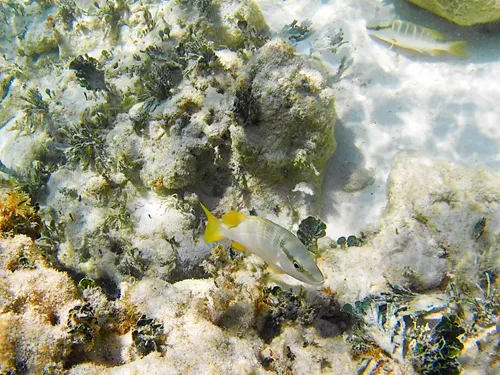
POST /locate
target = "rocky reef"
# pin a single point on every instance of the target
(108, 149)
(285, 130)
(414, 295)
(124, 145)
(463, 12)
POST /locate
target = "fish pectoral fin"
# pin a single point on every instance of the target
(238, 246)
(275, 270)
(436, 34)
(233, 219)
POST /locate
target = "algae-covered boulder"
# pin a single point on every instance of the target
(233, 24)
(441, 222)
(34, 300)
(239, 22)
(176, 156)
(463, 12)
(40, 40)
(446, 222)
(285, 117)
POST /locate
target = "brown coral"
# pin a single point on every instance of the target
(17, 215)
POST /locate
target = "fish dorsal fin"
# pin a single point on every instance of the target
(233, 219)
(238, 246)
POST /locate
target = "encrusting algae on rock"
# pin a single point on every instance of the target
(463, 12)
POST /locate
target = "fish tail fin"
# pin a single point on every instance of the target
(213, 229)
(458, 48)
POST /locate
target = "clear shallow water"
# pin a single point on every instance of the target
(392, 99)
(387, 100)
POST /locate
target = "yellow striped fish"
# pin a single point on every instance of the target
(418, 38)
(278, 247)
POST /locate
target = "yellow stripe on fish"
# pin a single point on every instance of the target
(418, 38)
(278, 247)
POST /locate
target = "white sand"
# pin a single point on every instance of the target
(393, 99)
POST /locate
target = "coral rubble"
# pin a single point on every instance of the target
(405, 308)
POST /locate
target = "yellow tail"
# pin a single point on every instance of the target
(458, 48)
(212, 231)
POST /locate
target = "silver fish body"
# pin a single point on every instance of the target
(418, 38)
(278, 247)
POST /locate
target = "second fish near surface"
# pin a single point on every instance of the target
(411, 36)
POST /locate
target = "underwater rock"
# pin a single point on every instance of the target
(111, 238)
(436, 206)
(427, 234)
(40, 40)
(239, 24)
(211, 327)
(360, 179)
(247, 320)
(463, 12)
(34, 301)
(18, 252)
(177, 151)
(288, 135)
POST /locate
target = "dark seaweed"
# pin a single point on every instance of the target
(439, 356)
(162, 79)
(82, 322)
(246, 107)
(147, 335)
(88, 73)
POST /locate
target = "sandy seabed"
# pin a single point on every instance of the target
(392, 99)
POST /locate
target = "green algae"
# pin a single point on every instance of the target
(463, 12)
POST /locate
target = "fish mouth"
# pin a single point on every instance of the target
(316, 281)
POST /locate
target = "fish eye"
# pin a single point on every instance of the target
(296, 264)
